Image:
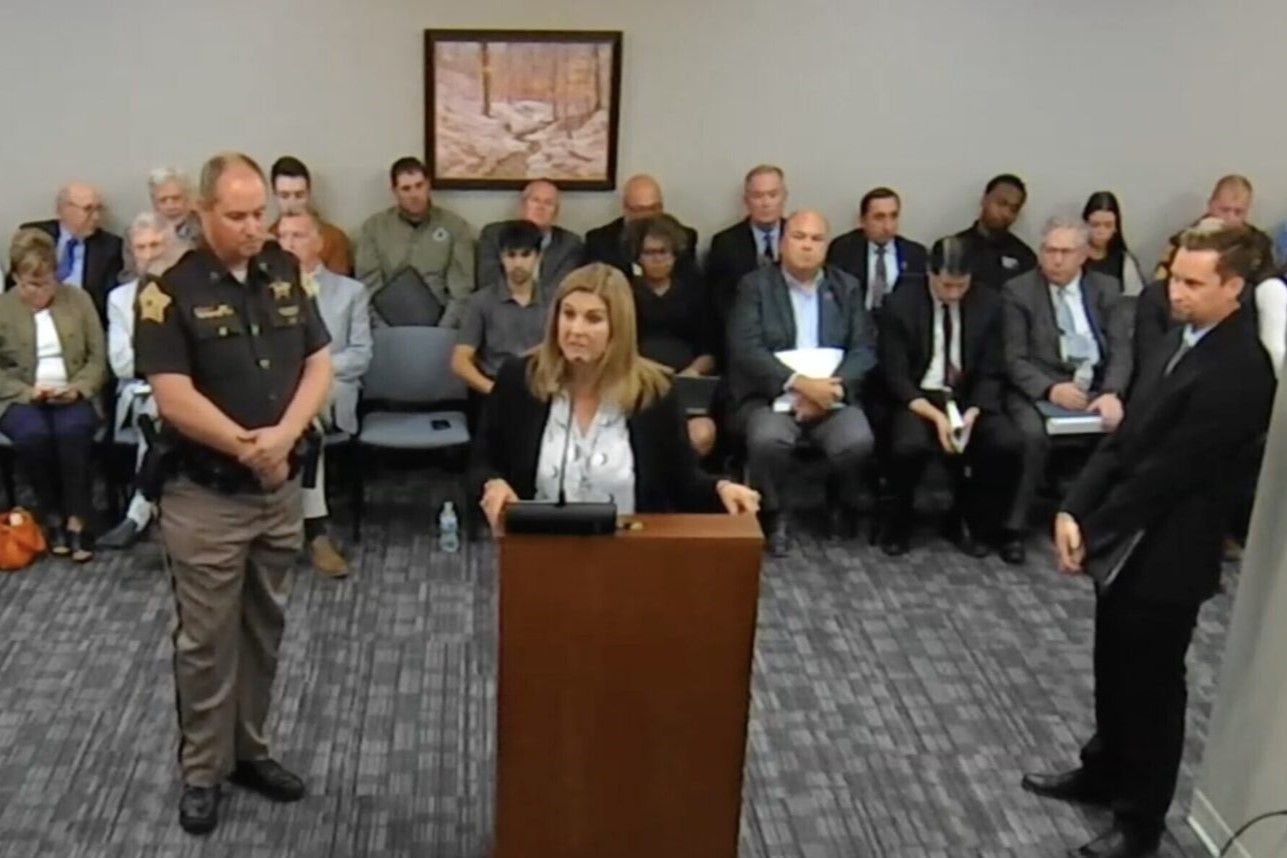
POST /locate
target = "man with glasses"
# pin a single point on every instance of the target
(88, 256)
(1067, 342)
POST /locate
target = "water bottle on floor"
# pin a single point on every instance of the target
(448, 529)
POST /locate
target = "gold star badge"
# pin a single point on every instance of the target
(153, 303)
(309, 282)
(281, 289)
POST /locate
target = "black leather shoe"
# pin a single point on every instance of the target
(843, 522)
(895, 541)
(1012, 550)
(268, 778)
(123, 536)
(80, 545)
(776, 541)
(1119, 842)
(957, 531)
(1075, 786)
(199, 809)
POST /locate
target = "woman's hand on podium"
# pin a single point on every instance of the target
(737, 498)
(496, 494)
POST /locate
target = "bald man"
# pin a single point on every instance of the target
(800, 303)
(88, 256)
(561, 250)
(1230, 202)
(640, 198)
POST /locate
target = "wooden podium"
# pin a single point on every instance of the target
(625, 672)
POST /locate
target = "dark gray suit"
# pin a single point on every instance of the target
(1034, 364)
(763, 322)
(564, 253)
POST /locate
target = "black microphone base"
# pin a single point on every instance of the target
(571, 519)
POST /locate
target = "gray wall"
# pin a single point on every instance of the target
(1152, 98)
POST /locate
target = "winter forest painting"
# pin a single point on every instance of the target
(505, 108)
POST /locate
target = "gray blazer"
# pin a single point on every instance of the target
(762, 322)
(345, 307)
(565, 253)
(1032, 360)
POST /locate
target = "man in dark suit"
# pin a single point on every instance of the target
(561, 251)
(751, 242)
(940, 356)
(800, 304)
(874, 252)
(1151, 503)
(999, 254)
(88, 256)
(1067, 341)
(640, 198)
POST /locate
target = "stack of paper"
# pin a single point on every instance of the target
(810, 363)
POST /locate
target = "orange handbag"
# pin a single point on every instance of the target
(21, 540)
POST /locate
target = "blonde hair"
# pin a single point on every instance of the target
(32, 250)
(623, 375)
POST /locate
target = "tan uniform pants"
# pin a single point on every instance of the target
(230, 556)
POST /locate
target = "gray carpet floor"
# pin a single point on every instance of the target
(895, 704)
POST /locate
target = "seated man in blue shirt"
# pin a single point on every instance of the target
(800, 304)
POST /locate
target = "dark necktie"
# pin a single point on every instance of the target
(951, 372)
(767, 258)
(68, 262)
(879, 283)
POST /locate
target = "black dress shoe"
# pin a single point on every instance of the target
(1012, 550)
(776, 541)
(123, 536)
(957, 531)
(79, 544)
(268, 778)
(896, 541)
(843, 522)
(1075, 786)
(1119, 842)
(199, 809)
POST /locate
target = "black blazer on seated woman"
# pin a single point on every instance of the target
(667, 476)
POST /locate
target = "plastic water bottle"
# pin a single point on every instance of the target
(448, 529)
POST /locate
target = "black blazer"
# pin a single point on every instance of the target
(907, 337)
(763, 322)
(667, 476)
(734, 253)
(1167, 468)
(103, 263)
(848, 252)
(607, 243)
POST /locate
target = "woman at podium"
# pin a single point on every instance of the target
(585, 418)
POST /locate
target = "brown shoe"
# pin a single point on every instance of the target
(326, 558)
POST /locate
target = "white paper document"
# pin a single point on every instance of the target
(810, 363)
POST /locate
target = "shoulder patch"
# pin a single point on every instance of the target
(281, 289)
(153, 303)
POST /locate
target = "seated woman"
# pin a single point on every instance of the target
(588, 379)
(1107, 252)
(52, 364)
(676, 319)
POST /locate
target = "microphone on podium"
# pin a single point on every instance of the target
(561, 518)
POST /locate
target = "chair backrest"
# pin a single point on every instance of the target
(412, 366)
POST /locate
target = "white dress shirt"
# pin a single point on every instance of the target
(936, 373)
(600, 462)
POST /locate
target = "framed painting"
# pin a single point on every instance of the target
(503, 107)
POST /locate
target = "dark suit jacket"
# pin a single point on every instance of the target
(607, 243)
(734, 253)
(763, 322)
(848, 252)
(907, 337)
(1166, 468)
(103, 263)
(1031, 335)
(565, 253)
(667, 475)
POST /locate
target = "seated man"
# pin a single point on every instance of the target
(153, 248)
(342, 303)
(1067, 342)
(293, 189)
(418, 236)
(875, 253)
(999, 254)
(1230, 203)
(507, 317)
(941, 343)
(88, 256)
(561, 250)
(171, 196)
(751, 242)
(800, 304)
(640, 198)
